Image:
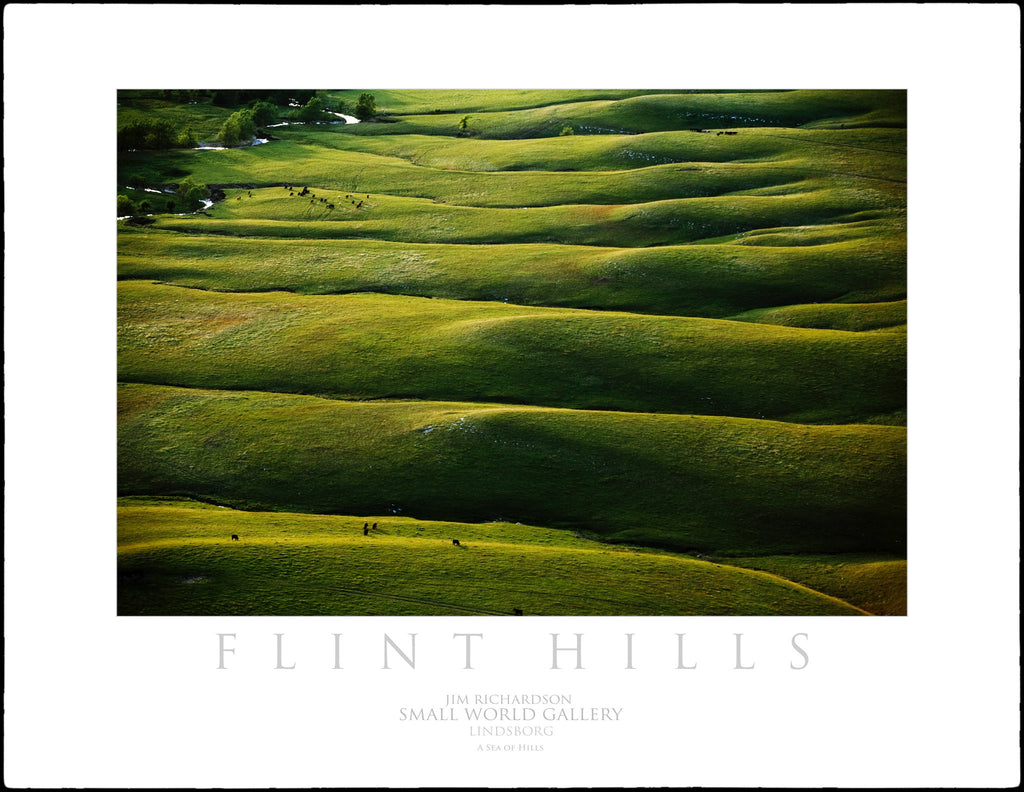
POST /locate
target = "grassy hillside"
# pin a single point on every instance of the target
(832, 316)
(370, 346)
(656, 112)
(601, 335)
(874, 154)
(669, 222)
(333, 161)
(176, 557)
(833, 264)
(727, 485)
(874, 583)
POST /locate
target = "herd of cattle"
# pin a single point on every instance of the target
(312, 197)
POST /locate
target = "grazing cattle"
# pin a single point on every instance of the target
(330, 206)
(374, 526)
(234, 537)
(517, 611)
(456, 542)
(359, 204)
(366, 531)
(719, 133)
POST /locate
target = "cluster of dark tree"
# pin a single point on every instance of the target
(309, 103)
(366, 107)
(316, 110)
(313, 110)
(242, 124)
(153, 133)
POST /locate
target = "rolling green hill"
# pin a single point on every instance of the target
(653, 111)
(177, 558)
(727, 485)
(642, 351)
(366, 346)
(713, 279)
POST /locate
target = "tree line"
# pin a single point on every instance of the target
(263, 108)
(153, 133)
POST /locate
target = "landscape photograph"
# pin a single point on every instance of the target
(537, 352)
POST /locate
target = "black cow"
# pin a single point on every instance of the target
(366, 531)
(234, 537)
(374, 526)
(517, 611)
(456, 542)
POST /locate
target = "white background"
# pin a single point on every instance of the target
(927, 700)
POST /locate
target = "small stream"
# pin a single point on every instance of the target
(207, 203)
(347, 119)
(256, 142)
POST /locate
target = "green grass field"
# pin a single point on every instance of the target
(636, 368)
(177, 557)
(369, 346)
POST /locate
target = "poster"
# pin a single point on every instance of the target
(930, 699)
